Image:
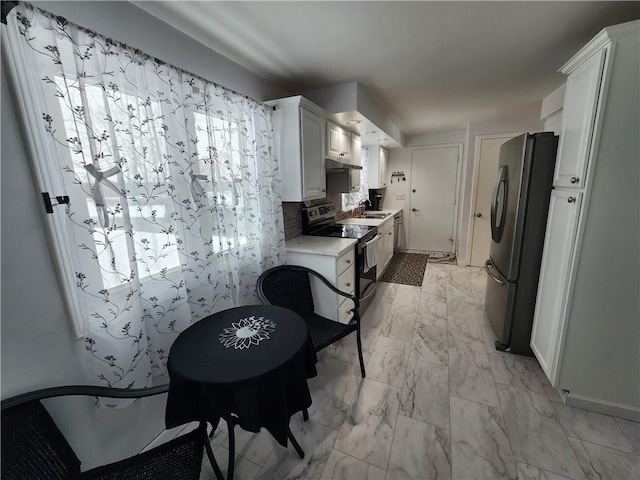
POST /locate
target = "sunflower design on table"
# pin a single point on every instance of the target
(246, 332)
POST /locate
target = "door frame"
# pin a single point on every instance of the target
(457, 199)
(474, 186)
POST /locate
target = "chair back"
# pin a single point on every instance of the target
(286, 286)
(33, 447)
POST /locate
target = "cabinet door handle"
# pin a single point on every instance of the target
(389, 233)
(348, 261)
(415, 210)
(348, 284)
(324, 189)
(575, 179)
(571, 199)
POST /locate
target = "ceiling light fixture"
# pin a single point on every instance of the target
(353, 122)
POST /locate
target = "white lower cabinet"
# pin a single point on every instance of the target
(386, 231)
(340, 271)
(562, 227)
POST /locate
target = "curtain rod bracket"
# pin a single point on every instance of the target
(60, 200)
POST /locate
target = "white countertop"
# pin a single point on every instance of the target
(331, 246)
(372, 222)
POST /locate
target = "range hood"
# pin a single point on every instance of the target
(336, 167)
(350, 102)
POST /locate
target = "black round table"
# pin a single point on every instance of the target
(247, 365)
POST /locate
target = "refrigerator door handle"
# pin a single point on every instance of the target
(488, 267)
(501, 180)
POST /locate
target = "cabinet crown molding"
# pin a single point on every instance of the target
(296, 101)
(606, 36)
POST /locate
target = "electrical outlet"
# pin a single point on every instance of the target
(401, 196)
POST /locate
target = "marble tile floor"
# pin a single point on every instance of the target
(438, 402)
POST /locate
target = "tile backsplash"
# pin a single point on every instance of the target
(292, 219)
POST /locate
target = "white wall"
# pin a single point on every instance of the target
(400, 160)
(37, 350)
(531, 123)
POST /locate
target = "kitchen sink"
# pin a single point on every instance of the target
(375, 215)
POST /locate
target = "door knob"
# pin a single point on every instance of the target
(415, 210)
(478, 215)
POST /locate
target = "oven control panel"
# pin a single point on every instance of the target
(320, 212)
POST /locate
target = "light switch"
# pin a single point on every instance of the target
(401, 196)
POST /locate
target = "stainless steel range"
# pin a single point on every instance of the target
(320, 220)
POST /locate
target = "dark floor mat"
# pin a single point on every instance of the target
(406, 268)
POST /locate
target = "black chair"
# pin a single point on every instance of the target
(289, 286)
(33, 447)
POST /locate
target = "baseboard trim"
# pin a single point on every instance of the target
(602, 406)
(168, 435)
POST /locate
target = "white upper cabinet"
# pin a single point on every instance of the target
(356, 149)
(581, 99)
(334, 141)
(299, 146)
(340, 144)
(345, 142)
(377, 161)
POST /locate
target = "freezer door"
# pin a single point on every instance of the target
(499, 301)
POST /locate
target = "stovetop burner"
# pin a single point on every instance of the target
(344, 231)
(320, 221)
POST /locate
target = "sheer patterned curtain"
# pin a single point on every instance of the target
(174, 194)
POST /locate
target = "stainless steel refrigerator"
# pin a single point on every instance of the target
(519, 207)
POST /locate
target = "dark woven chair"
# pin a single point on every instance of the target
(289, 286)
(33, 448)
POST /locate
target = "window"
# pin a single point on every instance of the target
(175, 207)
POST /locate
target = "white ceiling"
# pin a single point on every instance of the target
(431, 66)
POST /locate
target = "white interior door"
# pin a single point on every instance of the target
(434, 180)
(486, 168)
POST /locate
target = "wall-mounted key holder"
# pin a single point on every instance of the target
(48, 202)
(398, 176)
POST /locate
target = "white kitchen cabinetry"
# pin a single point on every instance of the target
(558, 249)
(586, 324)
(340, 271)
(338, 143)
(385, 245)
(581, 99)
(377, 165)
(299, 138)
(356, 149)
